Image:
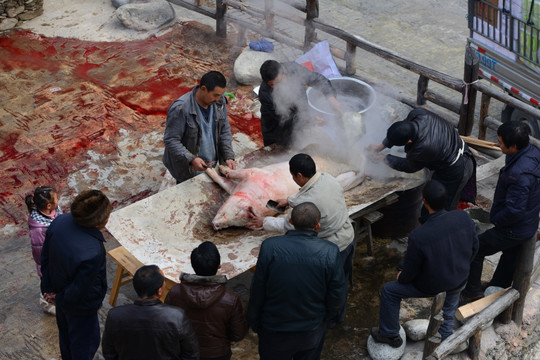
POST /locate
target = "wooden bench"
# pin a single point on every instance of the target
(127, 265)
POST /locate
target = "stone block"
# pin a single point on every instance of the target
(29, 15)
(145, 16)
(416, 329)
(247, 65)
(12, 12)
(380, 351)
(8, 23)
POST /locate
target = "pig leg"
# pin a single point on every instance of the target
(238, 174)
(350, 179)
(224, 183)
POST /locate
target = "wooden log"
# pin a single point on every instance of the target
(442, 101)
(536, 268)
(431, 344)
(473, 308)
(474, 345)
(350, 59)
(269, 15)
(522, 277)
(475, 324)
(198, 9)
(466, 114)
(484, 112)
(221, 22)
(421, 89)
(505, 98)
(309, 32)
(506, 316)
(439, 77)
(490, 168)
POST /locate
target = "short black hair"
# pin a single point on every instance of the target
(205, 259)
(305, 216)
(147, 281)
(303, 164)
(212, 79)
(514, 133)
(41, 198)
(435, 195)
(270, 70)
(400, 132)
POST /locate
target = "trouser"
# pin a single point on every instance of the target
(391, 295)
(305, 345)
(347, 255)
(78, 335)
(490, 242)
(454, 178)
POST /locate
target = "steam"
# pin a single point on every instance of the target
(343, 139)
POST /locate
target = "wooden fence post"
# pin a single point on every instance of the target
(312, 12)
(435, 321)
(221, 23)
(421, 90)
(466, 113)
(269, 15)
(474, 345)
(484, 112)
(522, 277)
(350, 59)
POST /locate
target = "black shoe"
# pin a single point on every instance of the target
(464, 299)
(393, 342)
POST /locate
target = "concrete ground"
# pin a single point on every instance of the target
(430, 32)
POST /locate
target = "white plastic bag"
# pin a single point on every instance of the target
(321, 59)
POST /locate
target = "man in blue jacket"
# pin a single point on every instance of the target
(515, 209)
(298, 285)
(439, 254)
(73, 265)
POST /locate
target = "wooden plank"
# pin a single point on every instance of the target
(483, 143)
(475, 307)
(489, 169)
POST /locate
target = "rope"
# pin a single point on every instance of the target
(466, 86)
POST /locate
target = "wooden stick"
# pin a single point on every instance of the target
(475, 307)
(482, 143)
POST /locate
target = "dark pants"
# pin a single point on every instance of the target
(491, 242)
(305, 345)
(391, 295)
(454, 178)
(78, 335)
(347, 255)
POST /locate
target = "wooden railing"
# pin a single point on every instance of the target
(510, 305)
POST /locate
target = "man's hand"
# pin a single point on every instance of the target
(376, 148)
(198, 164)
(256, 221)
(231, 164)
(281, 203)
(335, 105)
(50, 297)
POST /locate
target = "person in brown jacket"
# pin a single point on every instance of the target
(215, 312)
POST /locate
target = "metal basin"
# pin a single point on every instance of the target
(354, 96)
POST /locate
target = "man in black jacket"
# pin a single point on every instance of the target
(74, 273)
(438, 258)
(283, 98)
(433, 143)
(149, 329)
(298, 285)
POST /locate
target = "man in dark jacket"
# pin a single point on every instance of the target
(515, 209)
(433, 143)
(198, 133)
(298, 285)
(283, 98)
(439, 254)
(215, 312)
(149, 329)
(74, 273)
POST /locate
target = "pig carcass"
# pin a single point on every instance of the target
(250, 189)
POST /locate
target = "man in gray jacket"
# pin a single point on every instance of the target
(326, 193)
(198, 133)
